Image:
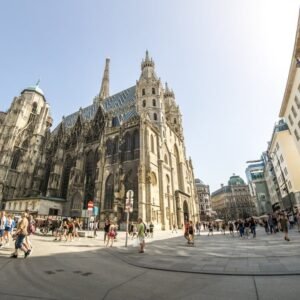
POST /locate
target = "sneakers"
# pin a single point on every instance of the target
(26, 253)
(29, 252)
(14, 255)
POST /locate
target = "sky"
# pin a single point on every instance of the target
(226, 60)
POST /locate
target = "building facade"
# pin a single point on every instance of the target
(285, 158)
(290, 107)
(259, 191)
(233, 201)
(203, 194)
(132, 140)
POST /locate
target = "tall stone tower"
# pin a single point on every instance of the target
(22, 135)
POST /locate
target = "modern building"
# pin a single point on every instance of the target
(132, 140)
(290, 107)
(255, 174)
(233, 201)
(203, 193)
(286, 161)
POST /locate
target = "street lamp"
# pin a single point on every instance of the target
(270, 154)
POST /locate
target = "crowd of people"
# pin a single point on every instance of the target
(280, 221)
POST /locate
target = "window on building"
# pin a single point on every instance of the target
(144, 103)
(294, 111)
(296, 135)
(297, 102)
(153, 91)
(281, 158)
(16, 159)
(175, 121)
(143, 92)
(153, 102)
(291, 120)
(155, 117)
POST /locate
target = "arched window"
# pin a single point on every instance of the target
(143, 92)
(131, 183)
(114, 122)
(144, 103)
(135, 140)
(76, 202)
(127, 141)
(109, 192)
(152, 144)
(16, 159)
(175, 121)
(153, 102)
(66, 176)
(115, 145)
(109, 147)
(90, 172)
(34, 108)
(166, 159)
(153, 91)
(155, 116)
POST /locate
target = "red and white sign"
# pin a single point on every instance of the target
(90, 205)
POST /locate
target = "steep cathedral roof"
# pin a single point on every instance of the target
(121, 105)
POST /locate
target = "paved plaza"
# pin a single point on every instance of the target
(218, 267)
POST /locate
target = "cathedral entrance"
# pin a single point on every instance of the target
(186, 215)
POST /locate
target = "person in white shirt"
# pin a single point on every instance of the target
(2, 227)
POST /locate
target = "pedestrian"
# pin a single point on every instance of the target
(241, 229)
(95, 227)
(271, 224)
(141, 234)
(111, 235)
(231, 232)
(210, 229)
(20, 237)
(174, 228)
(9, 226)
(30, 231)
(151, 226)
(247, 228)
(2, 227)
(223, 227)
(284, 226)
(191, 232)
(253, 227)
(106, 228)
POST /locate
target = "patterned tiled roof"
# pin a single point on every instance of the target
(120, 105)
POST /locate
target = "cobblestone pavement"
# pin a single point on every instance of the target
(221, 254)
(86, 269)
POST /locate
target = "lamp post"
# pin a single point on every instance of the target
(283, 178)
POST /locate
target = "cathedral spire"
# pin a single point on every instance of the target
(104, 91)
(147, 62)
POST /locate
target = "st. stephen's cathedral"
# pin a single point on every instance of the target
(132, 140)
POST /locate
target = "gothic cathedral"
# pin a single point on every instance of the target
(132, 140)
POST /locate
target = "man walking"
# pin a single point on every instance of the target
(141, 234)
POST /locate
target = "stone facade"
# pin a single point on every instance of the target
(233, 201)
(132, 140)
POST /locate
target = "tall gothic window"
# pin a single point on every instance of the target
(109, 192)
(66, 176)
(153, 102)
(143, 92)
(109, 147)
(44, 183)
(144, 103)
(152, 144)
(16, 159)
(155, 116)
(131, 183)
(115, 150)
(90, 171)
(135, 144)
(153, 91)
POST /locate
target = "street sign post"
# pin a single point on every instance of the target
(129, 208)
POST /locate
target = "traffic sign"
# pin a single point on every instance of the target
(90, 205)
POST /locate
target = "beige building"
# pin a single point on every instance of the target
(132, 140)
(233, 201)
(290, 107)
(286, 161)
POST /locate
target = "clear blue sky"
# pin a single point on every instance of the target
(227, 62)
